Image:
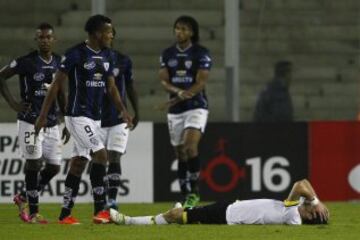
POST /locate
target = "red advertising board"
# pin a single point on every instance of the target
(334, 149)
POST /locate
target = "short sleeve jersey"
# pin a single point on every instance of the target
(122, 71)
(35, 76)
(262, 211)
(183, 66)
(88, 71)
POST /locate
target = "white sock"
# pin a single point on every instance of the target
(159, 219)
(145, 220)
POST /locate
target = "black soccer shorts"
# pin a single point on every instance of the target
(214, 213)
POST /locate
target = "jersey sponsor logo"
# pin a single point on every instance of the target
(89, 65)
(188, 64)
(181, 73)
(97, 76)
(172, 62)
(47, 67)
(39, 76)
(181, 79)
(205, 59)
(13, 64)
(100, 84)
(106, 66)
(116, 72)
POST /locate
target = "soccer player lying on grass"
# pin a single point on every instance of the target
(301, 207)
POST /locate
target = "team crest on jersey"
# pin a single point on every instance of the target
(172, 62)
(63, 58)
(188, 64)
(89, 65)
(94, 141)
(30, 149)
(39, 76)
(106, 66)
(116, 72)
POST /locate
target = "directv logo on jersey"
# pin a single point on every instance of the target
(89, 65)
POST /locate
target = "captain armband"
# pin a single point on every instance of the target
(289, 203)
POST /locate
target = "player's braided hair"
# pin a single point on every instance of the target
(95, 23)
(192, 23)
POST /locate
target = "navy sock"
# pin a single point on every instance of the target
(182, 176)
(194, 169)
(32, 194)
(72, 183)
(97, 174)
(113, 176)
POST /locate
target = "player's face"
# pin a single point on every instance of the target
(106, 35)
(183, 33)
(45, 39)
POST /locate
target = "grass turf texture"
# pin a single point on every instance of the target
(344, 225)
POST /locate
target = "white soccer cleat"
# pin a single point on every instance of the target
(116, 217)
(178, 205)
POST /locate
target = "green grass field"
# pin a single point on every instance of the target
(345, 224)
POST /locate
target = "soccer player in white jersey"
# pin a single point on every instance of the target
(301, 207)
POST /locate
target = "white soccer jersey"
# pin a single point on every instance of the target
(262, 211)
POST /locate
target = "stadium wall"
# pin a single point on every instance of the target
(239, 161)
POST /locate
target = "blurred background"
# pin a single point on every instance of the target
(320, 37)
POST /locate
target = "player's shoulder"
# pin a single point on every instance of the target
(121, 57)
(76, 48)
(28, 56)
(57, 56)
(169, 50)
(201, 49)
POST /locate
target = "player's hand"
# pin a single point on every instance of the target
(39, 124)
(135, 121)
(65, 135)
(127, 118)
(184, 94)
(321, 210)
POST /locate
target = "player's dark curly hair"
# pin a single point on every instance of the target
(314, 220)
(95, 23)
(45, 26)
(192, 23)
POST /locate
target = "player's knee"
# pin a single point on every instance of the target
(33, 165)
(100, 157)
(78, 165)
(52, 169)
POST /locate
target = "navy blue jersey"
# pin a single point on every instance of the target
(122, 71)
(88, 71)
(35, 75)
(183, 66)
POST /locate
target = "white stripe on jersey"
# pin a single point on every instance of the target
(76, 92)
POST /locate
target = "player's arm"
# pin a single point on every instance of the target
(52, 93)
(165, 82)
(62, 101)
(134, 100)
(115, 97)
(201, 78)
(304, 189)
(5, 74)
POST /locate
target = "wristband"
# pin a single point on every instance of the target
(315, 201)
